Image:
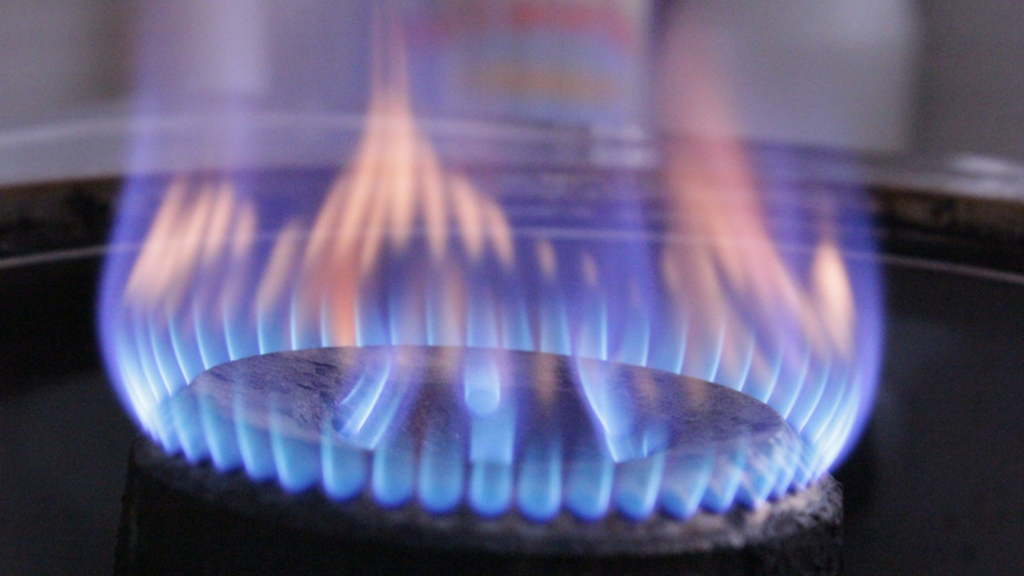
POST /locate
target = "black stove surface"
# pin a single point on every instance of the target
(935, 486)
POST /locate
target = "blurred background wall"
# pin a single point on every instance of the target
(62, 57)
(940, 76)
(971, 86)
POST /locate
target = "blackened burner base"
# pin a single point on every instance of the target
(180, 518)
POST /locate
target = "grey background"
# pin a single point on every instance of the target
(61, 57)
(68, 58)
(971, 85)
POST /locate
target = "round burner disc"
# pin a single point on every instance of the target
(489, 432)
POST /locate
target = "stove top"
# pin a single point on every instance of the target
(931, 487)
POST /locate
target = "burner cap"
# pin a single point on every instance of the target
(491, 432)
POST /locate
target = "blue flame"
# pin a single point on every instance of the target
(614, 268)
(602, 294)
(442, 469)
(491, 449)
(588, 484)
(482, 386)
(539, 495)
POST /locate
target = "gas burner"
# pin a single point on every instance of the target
(393, 459)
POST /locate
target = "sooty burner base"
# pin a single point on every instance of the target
(180, 518)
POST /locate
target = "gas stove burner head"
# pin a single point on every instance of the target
(182, 518)
(443, 453)
(491, 431)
